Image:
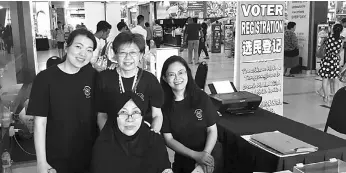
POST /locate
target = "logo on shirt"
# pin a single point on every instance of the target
(141, 96)
(198, 113)
(87, 91)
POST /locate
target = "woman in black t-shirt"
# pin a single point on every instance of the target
(189, 126)
(61, 100)
(128, 49)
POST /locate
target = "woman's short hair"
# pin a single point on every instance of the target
(84, 32)
(128, 38)
(337, 29)
(191, 86)
(291, 25)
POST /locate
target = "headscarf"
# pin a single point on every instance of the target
(136, 144)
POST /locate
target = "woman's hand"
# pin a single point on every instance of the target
(45, 168)
(204, 158)
(207, 169)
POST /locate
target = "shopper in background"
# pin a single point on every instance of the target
(8, 38)
(291, 52)
(60, 38)
(158, 33)
(62, 101)
(202, 41)
(128, 77)
(102, 32)
(330, 63)
(140, 28)
(122, 27)
(189, 125)
(149, 34)
(192, 37)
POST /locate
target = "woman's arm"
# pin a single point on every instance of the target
(211, 138)
(200, 157)
(177, 146)
(101, 119)
(157, 119)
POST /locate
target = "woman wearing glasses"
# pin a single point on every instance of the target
(189, 126)
(129, 49)
(126, 143)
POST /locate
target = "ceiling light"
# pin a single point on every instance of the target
(1, 7)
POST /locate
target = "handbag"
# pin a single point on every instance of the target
(342, 76)
(292, 53)
(321, 50)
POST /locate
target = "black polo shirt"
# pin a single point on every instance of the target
(188, 124)
(67, 102)
(109, 89)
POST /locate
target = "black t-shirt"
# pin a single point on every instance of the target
(67, 101)
(188, 124)
(108, 89)
(149, 156)
(193, 31)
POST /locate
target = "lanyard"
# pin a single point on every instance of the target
(121, 84)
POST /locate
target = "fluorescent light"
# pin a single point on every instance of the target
(1, 7)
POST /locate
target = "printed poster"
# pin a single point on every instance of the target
(259, 52)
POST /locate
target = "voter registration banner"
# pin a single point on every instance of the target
(259, 52)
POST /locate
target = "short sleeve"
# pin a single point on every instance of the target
(166, 126)
(100, 96)
(155, 92)
(210, 111)
(39, 96)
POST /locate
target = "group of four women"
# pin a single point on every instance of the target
(88, 121)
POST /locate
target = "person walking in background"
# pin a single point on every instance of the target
(8, 38)
(140, 28)
(291, 49)
(102, 32)
(149, 34)
(330, 63)
(202, 41)
(122, 27)
(60, 38)
(158, 34)
(192, 38)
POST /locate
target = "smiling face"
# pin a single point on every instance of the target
(128, 56)
(176, 76)
(129, 125)
(80, 51)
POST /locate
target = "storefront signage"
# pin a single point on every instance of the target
(216, 39)
(298, 12)
(259, 52)
(197, 9)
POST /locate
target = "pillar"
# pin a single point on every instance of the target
(24, 43)
(113, 17)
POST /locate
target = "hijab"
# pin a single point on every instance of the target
(136, 144)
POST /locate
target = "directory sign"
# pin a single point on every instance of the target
(216, 38)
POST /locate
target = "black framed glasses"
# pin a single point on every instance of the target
(125, 115)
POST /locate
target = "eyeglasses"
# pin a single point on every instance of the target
(135, 115)
(171, 75)
(125, 54)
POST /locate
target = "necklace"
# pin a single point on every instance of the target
(121, 84)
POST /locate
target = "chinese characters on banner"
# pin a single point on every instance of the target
(259, 52)
(216, 39)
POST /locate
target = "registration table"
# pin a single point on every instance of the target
(242, 157)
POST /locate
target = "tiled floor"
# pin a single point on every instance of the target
(304, 105)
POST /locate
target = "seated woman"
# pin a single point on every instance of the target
(126, 143)
(189, 125)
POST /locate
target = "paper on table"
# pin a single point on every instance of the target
(287, 171)
(223, 87)
(257, 144)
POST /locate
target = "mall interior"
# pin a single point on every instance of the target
(305, 111)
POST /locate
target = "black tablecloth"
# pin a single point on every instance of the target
(42, 44)
(241, 156)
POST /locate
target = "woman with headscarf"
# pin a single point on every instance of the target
(129, 49)
(189, 126)
(126, 143)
